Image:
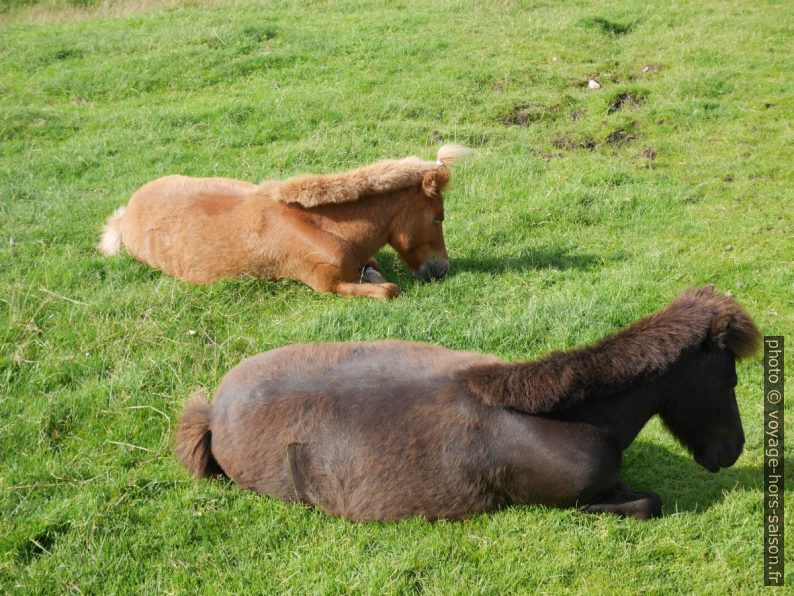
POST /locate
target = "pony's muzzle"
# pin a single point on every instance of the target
(433, 269)
(721, 455)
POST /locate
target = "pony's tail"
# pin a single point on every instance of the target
(450, 153)
(110, 243)
(193, 437)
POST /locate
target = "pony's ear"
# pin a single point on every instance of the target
(736, 332)
(435, 181)
(734, 329)
(721, 329)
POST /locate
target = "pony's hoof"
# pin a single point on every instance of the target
(391, 290)
(371, 275)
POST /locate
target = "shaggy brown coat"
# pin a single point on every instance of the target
(387, 429)
(321, 230)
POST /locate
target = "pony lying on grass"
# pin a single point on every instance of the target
(386, 429)
(321, 230)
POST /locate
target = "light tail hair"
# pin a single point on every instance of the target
(110, 243)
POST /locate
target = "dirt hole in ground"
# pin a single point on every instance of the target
(649, 153)
(625, 99)
(621, 137)
(570, 143)
(41, 543)
(523, 115)
(607, 27)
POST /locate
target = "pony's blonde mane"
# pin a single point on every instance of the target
(384, 176)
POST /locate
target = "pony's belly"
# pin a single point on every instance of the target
(357, 484)
(448, 494)
(358, 465)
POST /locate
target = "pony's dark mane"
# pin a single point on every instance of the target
(647, 348)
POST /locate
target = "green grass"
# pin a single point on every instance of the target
(556, 235)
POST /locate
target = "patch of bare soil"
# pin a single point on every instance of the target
(523, 115)
(571, 143)
(624, 99)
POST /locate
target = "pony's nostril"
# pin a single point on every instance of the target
(441, 269)
(433, 269)
(731, 450)
(708, 461)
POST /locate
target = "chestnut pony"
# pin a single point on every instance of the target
(321, 230)
(387, 430)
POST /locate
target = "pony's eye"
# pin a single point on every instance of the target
(438, 220)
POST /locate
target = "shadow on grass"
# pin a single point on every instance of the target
(682, 484)
(556, 258)
(545, 258)
(395, 271)
(607, 27)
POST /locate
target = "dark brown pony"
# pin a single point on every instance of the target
(387, 430)
(321, 230)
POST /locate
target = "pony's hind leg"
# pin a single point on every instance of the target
(622, 500)
(371, 275)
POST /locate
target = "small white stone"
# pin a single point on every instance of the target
(554, 59)
(593, 84)
(191, 332)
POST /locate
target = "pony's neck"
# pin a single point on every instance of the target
(621, 414)
(624, 412)
(366, 224)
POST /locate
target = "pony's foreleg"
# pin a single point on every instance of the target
(622, 500)
(380, 291)
(326, 277)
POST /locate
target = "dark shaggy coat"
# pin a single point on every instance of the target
(387, 429)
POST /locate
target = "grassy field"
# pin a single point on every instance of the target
(581, 211)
